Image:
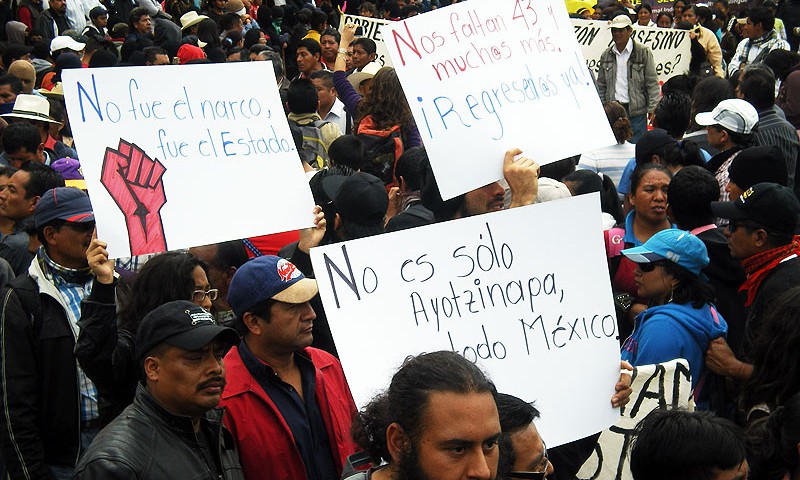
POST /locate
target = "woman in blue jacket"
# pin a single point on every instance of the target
(680, 320)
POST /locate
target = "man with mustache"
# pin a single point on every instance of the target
(172, 429)
(289, 405)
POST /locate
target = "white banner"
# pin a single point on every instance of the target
(665, 386)
(179, 156)
(533, 310)
(485, 76)
(671, 48)
(370, 28)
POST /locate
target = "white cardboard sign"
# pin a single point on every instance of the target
(532, 309)
(174, 156)
(485, 76)
(671, 48)
(665, 386)
(370, 29)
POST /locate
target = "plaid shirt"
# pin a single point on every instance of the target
(73, 285)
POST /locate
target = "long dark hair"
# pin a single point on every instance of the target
(691, 288)
(776, 354)
(386, 102)
(163, 278)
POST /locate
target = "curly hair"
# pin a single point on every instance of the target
(386, 102)
(776, 355)
(164, 278)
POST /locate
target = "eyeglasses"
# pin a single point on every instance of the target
(199, 295)
(535, 475)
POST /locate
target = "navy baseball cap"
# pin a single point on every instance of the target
(182, 324)
(677, 246)
(63, 203)
(268, 277)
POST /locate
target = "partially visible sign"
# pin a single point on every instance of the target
(370, 28)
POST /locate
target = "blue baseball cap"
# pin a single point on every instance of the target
(63, 203)
(268, 277)
(677, 246)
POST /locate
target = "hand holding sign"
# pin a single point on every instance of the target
(522, 175)
(134, 181)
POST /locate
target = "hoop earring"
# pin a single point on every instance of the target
(671, 294)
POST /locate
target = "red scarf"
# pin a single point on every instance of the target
(758, 267)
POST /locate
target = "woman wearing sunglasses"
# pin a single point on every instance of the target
(680, 320)
(106, 344)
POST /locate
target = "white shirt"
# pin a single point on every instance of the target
(78, 12)
(337, 115)
(621, 84)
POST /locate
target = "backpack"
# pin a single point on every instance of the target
(313, 151)
(382, 148)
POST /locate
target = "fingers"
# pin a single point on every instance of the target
(625, 365)
(510, 155)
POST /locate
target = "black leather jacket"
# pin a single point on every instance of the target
(147, 442)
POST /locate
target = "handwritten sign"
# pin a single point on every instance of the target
(670, 47)
(370, 28)
(531, 310)
(173, 161)
(665, 386)
(488, 75)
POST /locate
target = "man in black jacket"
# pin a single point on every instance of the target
(172, 429)
(49, 408)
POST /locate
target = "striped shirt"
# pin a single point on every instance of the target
(610, 161)
(773, 130)
(74, 286)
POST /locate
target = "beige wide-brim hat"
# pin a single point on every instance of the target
(57, 92)
(366, 73)
(190, 19)
(31, 107)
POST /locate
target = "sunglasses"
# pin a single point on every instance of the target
(535, 475)
(648, 267)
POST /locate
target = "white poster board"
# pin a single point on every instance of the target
(176, 156)
(664, 385)
(370, 28)
(671, 48)
(484, 76)
(531, 309)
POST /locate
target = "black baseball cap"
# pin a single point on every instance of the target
(771, 205)
(182, 324)
(361, 200)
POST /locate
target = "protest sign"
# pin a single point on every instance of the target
(665, 386)
(370, 28)
(534, 311)
(172, 161)
(670, 47)
(485, 76)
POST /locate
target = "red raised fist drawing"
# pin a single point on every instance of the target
(134, 182)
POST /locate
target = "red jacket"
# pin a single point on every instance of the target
(266, 445)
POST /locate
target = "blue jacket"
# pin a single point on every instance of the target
(671, 331)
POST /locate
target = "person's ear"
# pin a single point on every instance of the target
(251, 322)
(761, 237)
(152, 368)
(337, 222)
(396, 442)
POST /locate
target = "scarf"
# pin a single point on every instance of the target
(758, 267)
(771, 36)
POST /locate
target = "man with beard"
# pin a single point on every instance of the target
(438, 419)
(53, 21)
(289, 405)
(521, 174)
(172, 429)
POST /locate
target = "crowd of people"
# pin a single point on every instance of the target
(218, 362)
